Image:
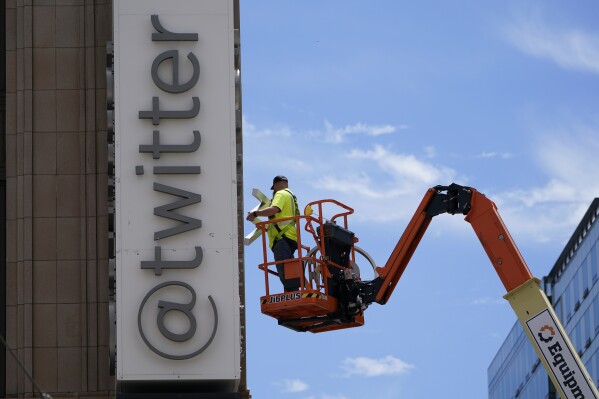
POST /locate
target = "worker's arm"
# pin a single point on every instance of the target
(268, 212)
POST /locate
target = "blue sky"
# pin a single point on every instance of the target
(371, 103)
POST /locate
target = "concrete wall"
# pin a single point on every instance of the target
(57, 266)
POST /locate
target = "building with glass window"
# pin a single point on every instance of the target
(571, 285)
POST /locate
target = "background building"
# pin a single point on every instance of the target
(572, 289)
(54, 280)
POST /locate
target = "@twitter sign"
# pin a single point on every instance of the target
(176, 191)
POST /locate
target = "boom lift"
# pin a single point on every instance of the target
(333, 296)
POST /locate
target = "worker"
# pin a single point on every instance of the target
(282, 235)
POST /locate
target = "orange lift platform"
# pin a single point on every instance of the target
(318, 306)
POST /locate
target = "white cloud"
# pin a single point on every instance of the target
(330, 133)
(534, 214)
(571, 156)
(555, 190)
(493, 154)
(371, 179)
(337, 135)
(546, 211)
(430, 151)
(360, 185)
(571, 49)
(292, 385)
(368, 367)
(252, 132)
(404, 167)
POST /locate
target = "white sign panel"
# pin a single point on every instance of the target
(558, 355)
(176, 195)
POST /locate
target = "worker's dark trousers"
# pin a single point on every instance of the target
(283, 249)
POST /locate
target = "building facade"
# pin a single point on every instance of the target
(55, 284)
(572, 288)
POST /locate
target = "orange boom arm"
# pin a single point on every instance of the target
(480, 212)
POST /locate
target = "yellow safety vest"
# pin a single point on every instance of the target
(287, 203)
